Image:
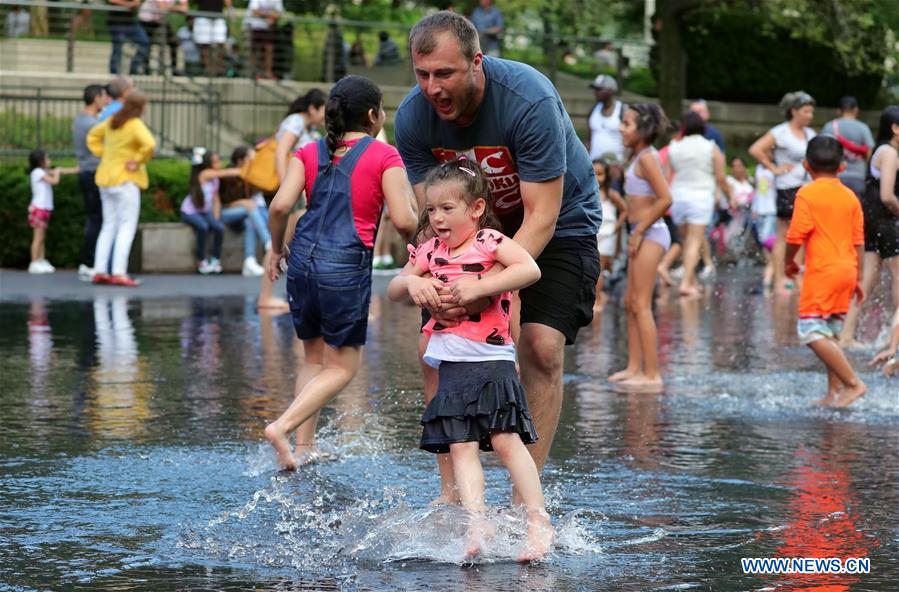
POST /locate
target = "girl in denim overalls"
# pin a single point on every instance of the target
(347, 177)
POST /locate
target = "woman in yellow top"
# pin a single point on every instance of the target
(124, 145)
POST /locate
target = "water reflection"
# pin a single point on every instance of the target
(143, 418)
(121, 387)
(40, 350)
(824, 512)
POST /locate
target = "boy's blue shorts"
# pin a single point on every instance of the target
(814, 328)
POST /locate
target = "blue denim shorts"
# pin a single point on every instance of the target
(330, 300)
(814, 328)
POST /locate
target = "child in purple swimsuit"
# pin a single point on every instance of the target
(648, 198)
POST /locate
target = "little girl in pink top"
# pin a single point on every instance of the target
(479, 402)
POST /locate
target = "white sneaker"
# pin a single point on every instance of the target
(251, 268)
(38, 267)
(46, 264)
(85, 273)
(707, 272)
(203, 267)
(215, 266)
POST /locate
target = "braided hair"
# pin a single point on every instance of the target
(347, 109)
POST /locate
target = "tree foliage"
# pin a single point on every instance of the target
(854, 29)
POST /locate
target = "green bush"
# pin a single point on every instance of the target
(642, 82)
(159, 203)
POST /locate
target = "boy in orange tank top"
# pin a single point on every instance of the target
(827, 219)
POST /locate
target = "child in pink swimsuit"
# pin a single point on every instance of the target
(479, 402)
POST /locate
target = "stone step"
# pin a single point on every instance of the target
(170, 247)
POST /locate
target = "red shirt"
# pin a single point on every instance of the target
(365, 184)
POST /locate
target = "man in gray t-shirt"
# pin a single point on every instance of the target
(95, 98)
(857, 141)
(509, 119)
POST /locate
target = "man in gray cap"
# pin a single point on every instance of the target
(605, 119)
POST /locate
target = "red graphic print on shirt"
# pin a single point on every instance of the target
(499, 166)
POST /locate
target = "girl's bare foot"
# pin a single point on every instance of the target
(309, 453)
(278, 440)
(540, 536)
(663, 275)
(273, 304)
(444, 500)
(850, 394)
(643, 384)
(622, 375)
(480, 529)
(690, 292)
(828, 399)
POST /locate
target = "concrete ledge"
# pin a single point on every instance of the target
(169, 247)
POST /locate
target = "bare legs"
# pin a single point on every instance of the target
(449, 493)
(870, 274)
(540, 351)
(780, 249)
(469, 476)
(337, 369)
(37, 244)
(643, 363)
(667, 261)
(693, 234)
(844, 386)
(313, 363)
(605, 265)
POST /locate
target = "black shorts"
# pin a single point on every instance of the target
(672, 229)
(262, 37)
(563, 298)
(786, 198)
(881, 230)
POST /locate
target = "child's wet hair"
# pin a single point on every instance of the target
(651, 121)
(473, 184)
(36, 159)
(824, 154)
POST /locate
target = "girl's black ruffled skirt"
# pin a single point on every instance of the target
(473, 401)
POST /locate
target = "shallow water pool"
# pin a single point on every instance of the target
(132, 458)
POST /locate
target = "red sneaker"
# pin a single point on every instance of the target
(123, 280)
(100, 278)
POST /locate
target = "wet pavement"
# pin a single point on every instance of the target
(132, 454)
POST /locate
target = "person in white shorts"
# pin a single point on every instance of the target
(697, 165)
(210, 34)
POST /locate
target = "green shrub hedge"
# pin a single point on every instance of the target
(159, 203)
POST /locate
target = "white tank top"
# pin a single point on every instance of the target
(605, 132)
(691, 160)
(788, 149)
(875, 172)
